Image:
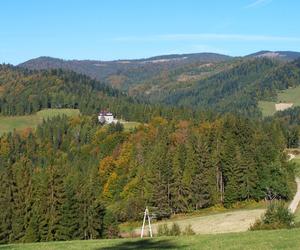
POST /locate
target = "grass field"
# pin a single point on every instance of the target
(258, 240)
(291, 95)
(267, 108)
(227, 222)
(129, 125)
(9, 123)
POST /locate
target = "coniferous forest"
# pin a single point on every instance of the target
(71, 178)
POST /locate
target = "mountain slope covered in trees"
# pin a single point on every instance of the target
(122, 73)
(197, 81)
(236, 86)
(73, 179)
(26, 92)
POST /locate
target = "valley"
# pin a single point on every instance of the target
(118, 113)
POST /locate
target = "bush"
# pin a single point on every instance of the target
(175, 230)
(188, 230)
(164, 230)
(277, 216)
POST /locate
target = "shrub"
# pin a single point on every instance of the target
(277, 216)
(188, 230)
(164, 230)
(175, 230)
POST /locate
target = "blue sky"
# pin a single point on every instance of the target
(118, 29)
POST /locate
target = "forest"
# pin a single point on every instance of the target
(74, 179)
(24, 92)
(71, 178)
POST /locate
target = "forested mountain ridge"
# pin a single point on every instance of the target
(123, 72)
(197, 81)
(236, 86)
(25, 92)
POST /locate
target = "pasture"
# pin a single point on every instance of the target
(11, 123)
(291, 95)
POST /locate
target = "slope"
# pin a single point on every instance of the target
(121, 73)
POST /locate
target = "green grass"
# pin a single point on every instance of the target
(267, 108)
(9, 123)
(291, 95)
(128, 126)
(202, 220)
(258, 240)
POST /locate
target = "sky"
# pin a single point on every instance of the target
(128, 29)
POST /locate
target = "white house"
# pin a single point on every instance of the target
(106, 117)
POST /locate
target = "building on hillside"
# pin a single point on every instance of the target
(106, 117)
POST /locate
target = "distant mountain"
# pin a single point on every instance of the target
(281, 55)
(121, 73)
(204, 81)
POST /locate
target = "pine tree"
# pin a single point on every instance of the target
(178, 192)
(68, 224)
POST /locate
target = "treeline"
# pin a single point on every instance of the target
(72, 179)
(179, 167)
(25, 92)
(290, 122)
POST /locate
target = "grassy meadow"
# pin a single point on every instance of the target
(128, 126)
(258, 240)
(267, 108)
(291, 95)
(11, 123)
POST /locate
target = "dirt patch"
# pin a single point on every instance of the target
(283, 106)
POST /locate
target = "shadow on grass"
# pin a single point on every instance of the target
(144, 244)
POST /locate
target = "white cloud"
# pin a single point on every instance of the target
(207, 37)
(258, 3)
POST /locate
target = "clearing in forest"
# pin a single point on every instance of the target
(11, 123)
(233, 221)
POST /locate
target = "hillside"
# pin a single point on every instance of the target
(234, 86)
(198, 81)
(79, 180)
(280, 55)
(122, 73)
(24, 92)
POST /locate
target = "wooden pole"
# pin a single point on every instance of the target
(149, 222)
(146, 215)
(144, 220)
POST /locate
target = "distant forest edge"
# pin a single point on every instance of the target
(198, 81)
(26, 92)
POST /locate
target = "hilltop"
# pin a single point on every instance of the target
(138, 68)
(200, 81)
